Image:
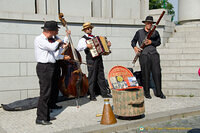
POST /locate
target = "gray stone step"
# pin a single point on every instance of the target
(187, 84)
(182, 92)
(183, 45)
(183, 39)
(180, 77)
(183, 34)
(179, 50)
(180, 63)
(180, 59)
(180, 70)
(194, 56)
(187, 28)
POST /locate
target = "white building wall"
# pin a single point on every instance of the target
(18, 29)
(17, 6)
(126, 9)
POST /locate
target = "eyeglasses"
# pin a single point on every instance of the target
(89, 28)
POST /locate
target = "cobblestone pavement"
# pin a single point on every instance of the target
(183, 125)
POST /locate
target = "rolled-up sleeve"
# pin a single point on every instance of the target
(58, 55)
(66, 39)
(155, 40)
(135, 39)
(81, 44)
(44, 44)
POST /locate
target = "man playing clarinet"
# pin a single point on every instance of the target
(149, 58)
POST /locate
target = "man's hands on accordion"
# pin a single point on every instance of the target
(109, 43)
(89, 46)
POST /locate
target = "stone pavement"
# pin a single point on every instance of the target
(71, 119)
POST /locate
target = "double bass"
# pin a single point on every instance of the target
(73, 82)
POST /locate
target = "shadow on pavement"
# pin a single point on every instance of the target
(130, 118)
(66, 102)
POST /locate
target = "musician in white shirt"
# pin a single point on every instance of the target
(57, 74)
(45, 53)
(96, 72)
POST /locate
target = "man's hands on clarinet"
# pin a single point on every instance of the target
(147, 42)
(137, 50)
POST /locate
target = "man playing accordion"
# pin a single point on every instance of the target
(96, 72)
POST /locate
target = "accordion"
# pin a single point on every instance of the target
(100, 46)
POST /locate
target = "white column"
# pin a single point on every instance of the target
(107, 8)
(189, 11)
(144, 9)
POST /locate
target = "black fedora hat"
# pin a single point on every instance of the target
(50, 26)
(148, 19)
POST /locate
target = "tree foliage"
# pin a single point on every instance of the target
(156, 4)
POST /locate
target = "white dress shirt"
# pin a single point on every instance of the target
(45, 51)
(82, 43)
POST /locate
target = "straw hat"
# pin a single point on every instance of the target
(87, 25)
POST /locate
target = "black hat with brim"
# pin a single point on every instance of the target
(50, 26)
(149, 19)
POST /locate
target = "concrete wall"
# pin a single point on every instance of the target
(116, 19)
(189, 11)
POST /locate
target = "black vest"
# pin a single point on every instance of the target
(87, 50)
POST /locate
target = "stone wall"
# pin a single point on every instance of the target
(21, 21)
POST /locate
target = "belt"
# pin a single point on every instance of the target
(46, 63)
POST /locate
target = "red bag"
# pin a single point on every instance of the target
(199, 71)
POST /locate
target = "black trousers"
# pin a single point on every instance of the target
(45, 72)
(151, 63)
(55, 85)
(96, 76)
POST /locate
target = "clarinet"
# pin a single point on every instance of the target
(147, 37)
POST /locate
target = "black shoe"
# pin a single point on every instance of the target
(56, 107)
(93, 99)
(107, 96)
(148, 96)
(43, 122)
(52, 118)
(162, 96)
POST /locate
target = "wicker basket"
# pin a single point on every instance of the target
(128, 103)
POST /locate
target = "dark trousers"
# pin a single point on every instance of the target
(55, 86)
(45, 72)
(96, 76)
(151, 63)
